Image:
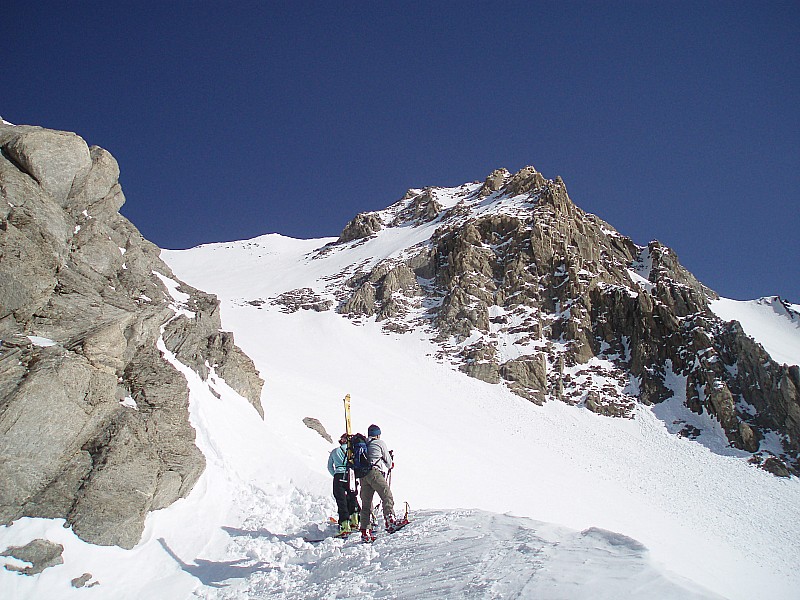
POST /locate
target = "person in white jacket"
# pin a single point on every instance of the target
(376, 481)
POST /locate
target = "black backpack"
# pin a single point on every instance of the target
(360, 465)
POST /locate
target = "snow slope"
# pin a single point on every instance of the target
(771, 322)
(508, 499)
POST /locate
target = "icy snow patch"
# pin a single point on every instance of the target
(180, 298)
(455, 554)
(42, 342)
(129, 403)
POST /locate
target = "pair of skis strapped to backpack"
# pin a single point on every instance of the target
(358, 460)
(357, 447)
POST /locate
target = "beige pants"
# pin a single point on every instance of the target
(372, 482)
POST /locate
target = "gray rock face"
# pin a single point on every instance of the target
(385, 292)
(494, 181)
(42, 554)
(56, 160)
(419, 209)
(592, 318)
(362, 226)
(83, 302)
(315, 425)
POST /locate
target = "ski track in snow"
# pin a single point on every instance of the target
(622, 508)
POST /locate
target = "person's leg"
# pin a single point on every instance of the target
(352, 507)
(367, 492)
(340, 494)
(387, 500)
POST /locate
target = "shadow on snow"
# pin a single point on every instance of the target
(215, 574)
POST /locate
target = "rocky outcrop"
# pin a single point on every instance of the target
(420, 208)
(494, 182)
(41, 554)
(315, 425)
(93, 417)
(362, 226)
(84, 580)
(521, 287)
(302, 299)
(387, 291)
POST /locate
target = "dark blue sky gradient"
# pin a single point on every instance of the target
(677, 121)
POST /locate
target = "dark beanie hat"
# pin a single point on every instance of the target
(373, 431)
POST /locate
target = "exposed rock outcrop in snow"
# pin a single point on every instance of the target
(77, 274)
(41, 554)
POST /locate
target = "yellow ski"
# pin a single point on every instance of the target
(352, 483)
(347, 427)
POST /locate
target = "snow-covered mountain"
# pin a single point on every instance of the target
(569, 417)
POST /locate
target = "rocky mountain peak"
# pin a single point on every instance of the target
(521, 287)
(525, 181)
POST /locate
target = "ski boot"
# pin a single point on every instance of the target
(354, 521)
(344, 529)
(367, 536)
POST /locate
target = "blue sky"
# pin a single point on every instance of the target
(675, 121)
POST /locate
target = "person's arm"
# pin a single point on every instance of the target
(331, 469)
(386, 456)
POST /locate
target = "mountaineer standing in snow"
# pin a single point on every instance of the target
(375, 480)
(346, 502)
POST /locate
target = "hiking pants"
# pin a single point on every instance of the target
(372, 482)
(346, 502)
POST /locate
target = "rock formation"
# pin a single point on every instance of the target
(363, 225)
(42, 554)
(94, 421)
(519, 286)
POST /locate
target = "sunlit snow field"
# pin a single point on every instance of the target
(508, 499)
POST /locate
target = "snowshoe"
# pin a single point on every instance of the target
(393, 525)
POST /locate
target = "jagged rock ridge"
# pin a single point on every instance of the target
(93, 419)
(520, 286)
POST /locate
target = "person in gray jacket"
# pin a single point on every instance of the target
(376, 481)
